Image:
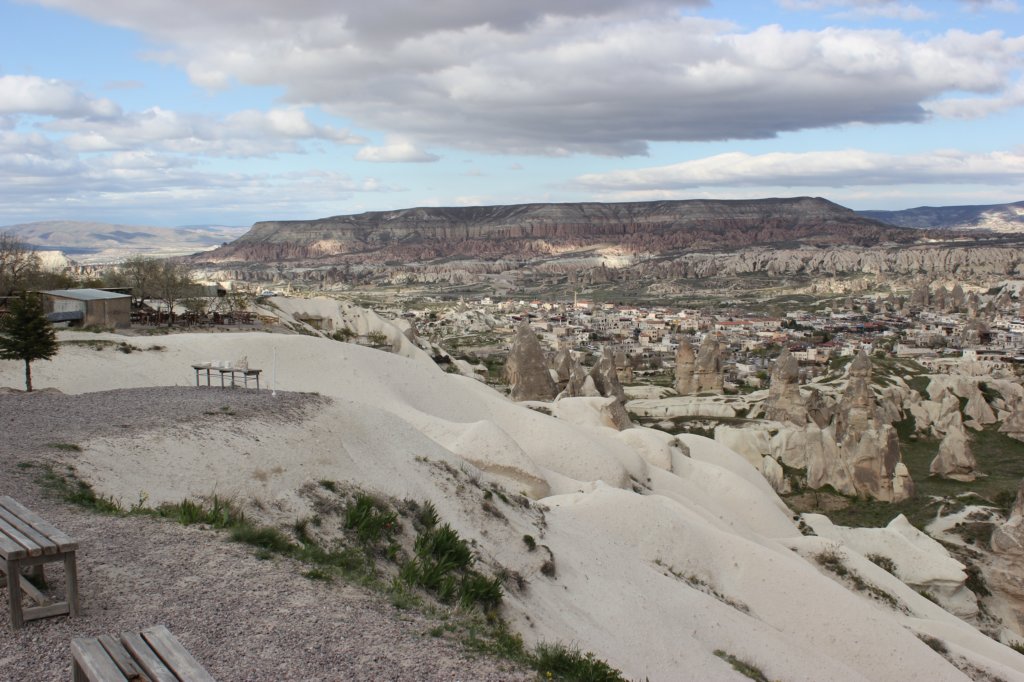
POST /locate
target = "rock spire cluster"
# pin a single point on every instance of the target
(703, 373)
(526, 370)
(785, 403)
(685, 359)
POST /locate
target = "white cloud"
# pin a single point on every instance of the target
(597, 76)
(396, 152)
(1009, 6)
(844, 168)
(248, 133)
(979, 107)
(886, 9)
(32, 95)
(39, 179)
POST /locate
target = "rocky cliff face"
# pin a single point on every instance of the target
(592, 244)
(423, 234)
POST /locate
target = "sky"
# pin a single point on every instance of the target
(188, 112)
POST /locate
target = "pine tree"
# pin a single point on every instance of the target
(26, 334)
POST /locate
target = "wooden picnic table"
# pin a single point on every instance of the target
(244, 373)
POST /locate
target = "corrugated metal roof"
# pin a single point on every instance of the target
(85, 294)
(65, 316)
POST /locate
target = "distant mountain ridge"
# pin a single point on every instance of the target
(543, 230)
(93, 242)
(1004, 218)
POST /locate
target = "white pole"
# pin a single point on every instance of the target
(273, 391)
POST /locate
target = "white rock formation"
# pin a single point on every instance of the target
(867, 446)
(954, 459)
(685, 359)
(978, 409)
(774, 474)
(785, 404)
(708, 374)
(385, 424)
(597, 411)
(918, 560)
(526, 369)
(1013, 423)
(606, 377)
(1009, 537)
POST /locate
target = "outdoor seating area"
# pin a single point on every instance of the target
(27, 541)
(236, 372)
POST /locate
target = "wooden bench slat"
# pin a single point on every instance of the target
(65, 543)
(122, 659)
(48, 546)
(175, 655)
(30, 548)
(147, 659)
(9, 549)
(90, 656)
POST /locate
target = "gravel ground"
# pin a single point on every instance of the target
(243, 618)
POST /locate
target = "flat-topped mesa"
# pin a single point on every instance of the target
(785, 404)
(529, 229)
(526, 369)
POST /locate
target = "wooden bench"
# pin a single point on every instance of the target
(153, 655)
(27, 541)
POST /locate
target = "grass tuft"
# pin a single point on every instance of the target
(560, 662)
(742, 667)
(934, 642)
(883, 562)
(65, 447)
(371, 520)
(444, 545)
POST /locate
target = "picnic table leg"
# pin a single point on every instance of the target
(37, 574)
(14, 592)
(71, 577)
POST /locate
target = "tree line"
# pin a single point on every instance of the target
(21, 269)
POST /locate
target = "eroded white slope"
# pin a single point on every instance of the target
(704, 557)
